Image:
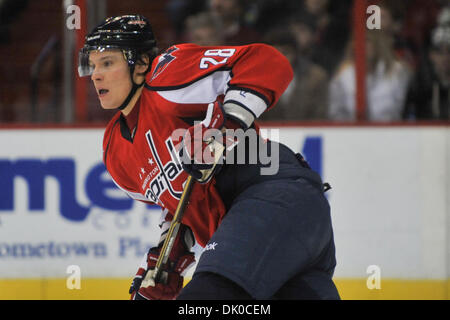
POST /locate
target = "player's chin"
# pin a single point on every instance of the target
(107, 105)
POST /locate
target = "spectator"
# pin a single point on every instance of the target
(228, 13)
(265, 15)
(429, 97)
(386, 81)
(303, 26)
(420, 19)
(179, 10)
(444, 16)
(318, 8)
(306, 96)
(331, 30)
(203, 29)
(392, 18)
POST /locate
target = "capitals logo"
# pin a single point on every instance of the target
(168, 172)
(140, 23)
(164, 61)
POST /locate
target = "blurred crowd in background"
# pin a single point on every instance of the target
(407, 59)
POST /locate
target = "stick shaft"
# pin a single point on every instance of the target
(173, 229)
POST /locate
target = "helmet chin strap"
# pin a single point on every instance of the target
(134, 88)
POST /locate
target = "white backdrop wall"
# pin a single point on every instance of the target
(389, 199)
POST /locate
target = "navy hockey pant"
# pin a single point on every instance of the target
(276, 240)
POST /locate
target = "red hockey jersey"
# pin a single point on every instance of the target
(181, 84)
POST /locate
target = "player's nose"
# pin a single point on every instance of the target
(96, 75)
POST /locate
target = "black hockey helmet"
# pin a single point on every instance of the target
(132, 34)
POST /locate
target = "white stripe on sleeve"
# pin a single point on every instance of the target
(244, 105)
(204, 90)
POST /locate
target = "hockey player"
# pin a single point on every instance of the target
(266, 236)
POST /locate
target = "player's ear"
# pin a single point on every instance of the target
(142, 65)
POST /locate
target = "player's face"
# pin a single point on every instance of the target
(111, 77)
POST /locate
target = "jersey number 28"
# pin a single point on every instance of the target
(217, 54)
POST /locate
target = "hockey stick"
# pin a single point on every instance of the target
(154, 276)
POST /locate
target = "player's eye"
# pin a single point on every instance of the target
(107, 63)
